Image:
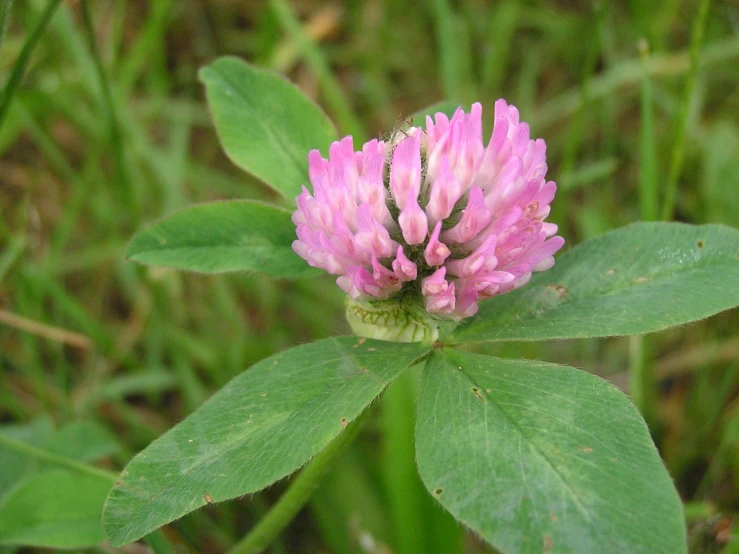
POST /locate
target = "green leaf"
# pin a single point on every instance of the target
(266, 124)
(150, 380)
(543, 458)
(85, 441)
(239, 235)
(58, 509)
(15, 465)
(262, 426)
(642, 278)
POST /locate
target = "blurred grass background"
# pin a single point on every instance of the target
(108, 130)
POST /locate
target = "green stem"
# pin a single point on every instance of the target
(19, 68)
(648, 196)
(678, 147)
(55, 459)
(297, 494)
(641, 379)
(418, 523)
(317, 62)
(641, 371)
(158, 543)
(404, 489)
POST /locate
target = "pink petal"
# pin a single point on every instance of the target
(475, 218)
(435, 129)
(357, 282)
(445, 191)
(435, 283)
(466, 305)
(413, 221)
(403, 267)
(442, 303)
(371, 236)
(386, 279)
(343, 164)
(436, 252)
(482, 259)
(405, 170)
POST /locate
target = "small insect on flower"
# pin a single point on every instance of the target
(421, 227)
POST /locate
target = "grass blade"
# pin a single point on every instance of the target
(5, 6)
(648, 198)
(678, 147)
(335, 98)
(19, 68)
(114, 127)
(452, 58)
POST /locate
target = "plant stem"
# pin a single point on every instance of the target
(297, 494)
(158, 543)
(641, 371)
(678, 147)
(418, 523)
(641, 380)
(404, 489)
(19, 68)
(648, 196)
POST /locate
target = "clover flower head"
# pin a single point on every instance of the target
(434, 214)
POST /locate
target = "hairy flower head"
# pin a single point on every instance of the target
(434, 215)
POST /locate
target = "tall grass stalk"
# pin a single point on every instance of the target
(19, 68)
(629, 73)
(678, 146)
(648, 197)
(5, 6)
(114, 126)
(641, 375)
(451, 61)
(316, 60)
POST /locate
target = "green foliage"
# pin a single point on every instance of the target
(85, 441)
(16, 464)
(55, 500)
(266, 125)
(523, 453)
(223, 236)
(643, 278)
(538, 457)
(58, 509)
(260, 427)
